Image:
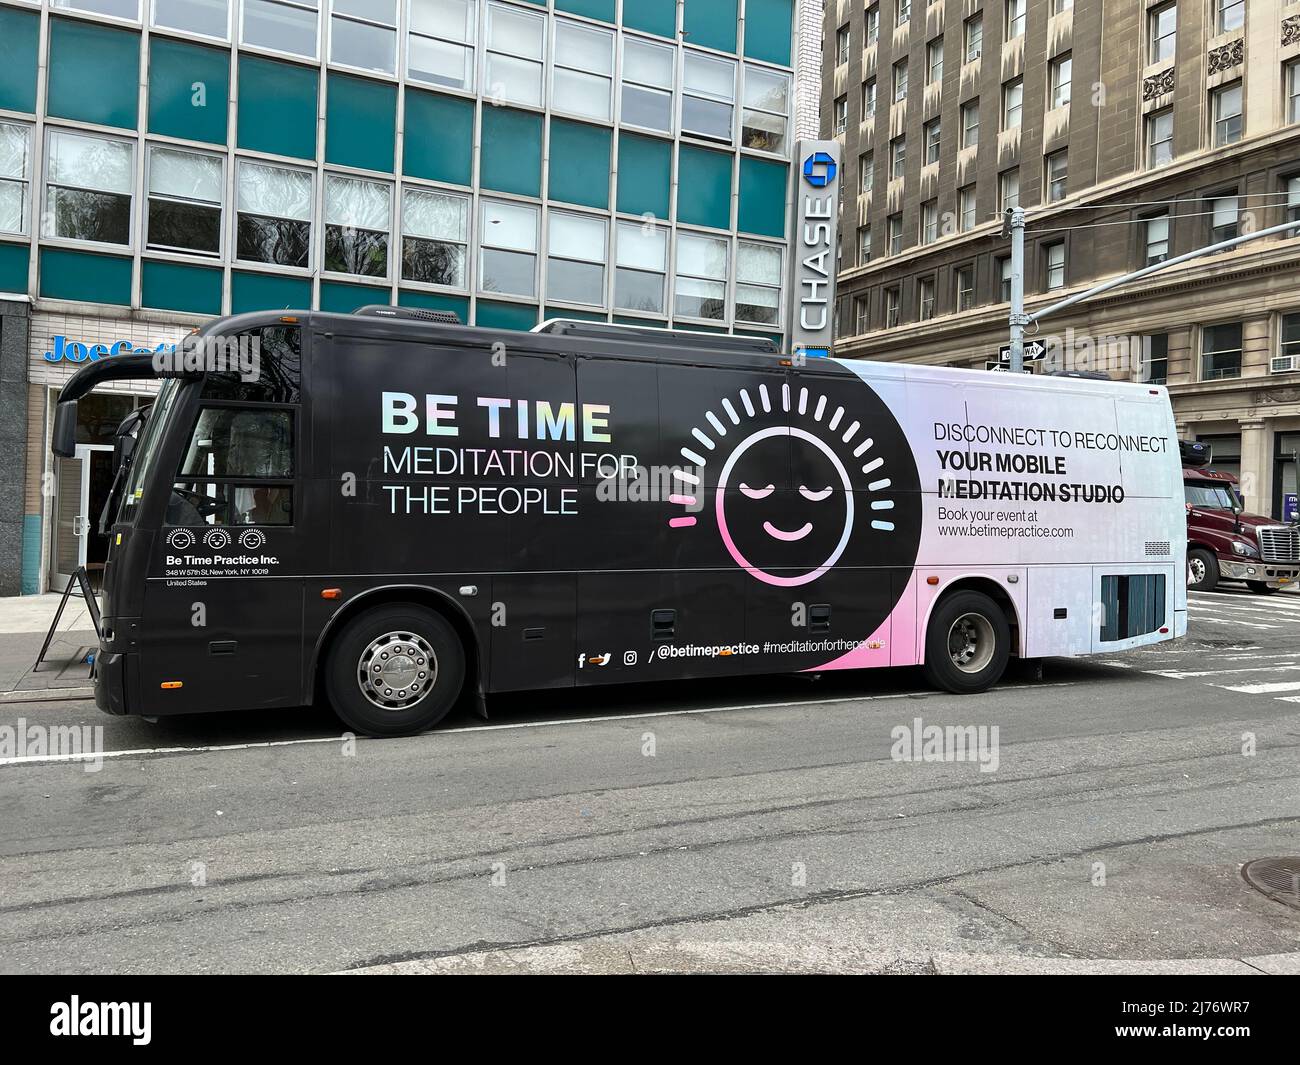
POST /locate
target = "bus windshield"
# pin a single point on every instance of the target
(1210, 496)
(146, 449)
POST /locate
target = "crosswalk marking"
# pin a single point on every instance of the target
(1261, 689)
(1181, 675)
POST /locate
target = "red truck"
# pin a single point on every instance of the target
(1224, 543)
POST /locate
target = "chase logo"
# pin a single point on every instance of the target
(819, 169)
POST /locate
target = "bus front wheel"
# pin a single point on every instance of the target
(395, 670)
(967, 644)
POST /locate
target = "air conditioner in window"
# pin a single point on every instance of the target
(1284, 363)
(974, 55)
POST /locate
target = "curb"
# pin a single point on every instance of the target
(610, 956)
(47, 695)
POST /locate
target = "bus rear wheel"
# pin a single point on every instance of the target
(395, 670)
(967, 644)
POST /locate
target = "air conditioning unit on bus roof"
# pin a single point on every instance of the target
(1284, 363)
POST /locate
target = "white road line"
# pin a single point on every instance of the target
(143, 751)
(1233, 621)
(1261, 689)
(1182, 675)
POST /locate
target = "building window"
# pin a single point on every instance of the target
(1015, 22)
(709, 97)
(648, 74)
(902, 12)
(185, 194)
(1224, 211)
(973, 33)
(1229, 15)
(864, 245)
(895, 224)
(1155, 233)
(516, 42)
(1061, 6)
(1154, 369)
(934, 61)
(15, 154)
(897, 158)
(767, 103)
(211, 18)
(284, 25)
(866, 172)
(435, 237)
(1291, 186)
(577, 251)
(582, 77)
(1220, 351)
(1004, 280)
(508, 252)
(933, 140)
(966, 216)
(869, 99)
(118, 8)
(970, 123)
(358, 218)
(965, 285)
(88, 188)
(900, 80)
(1054, 254)
(861, 315)
(440, 44)
(1059, 77)
(701, 277)
(758, 284)
(363, 33)
(1008, 190)
(1162, 32)
(842, 42)
(929, 221)
(841, 115)
(1013, 94)
(1160, 137)
(273, 214)
(873, 24)
(1293, 91)
(925, 298)
(1290, 337)
(893, 306)
(1058, 175)
(1226, 104)
(641, 268)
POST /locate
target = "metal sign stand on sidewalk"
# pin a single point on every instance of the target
(81, 580)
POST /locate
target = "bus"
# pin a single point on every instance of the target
(397, 513)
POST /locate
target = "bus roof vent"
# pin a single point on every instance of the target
(419, 314)
(645, 334)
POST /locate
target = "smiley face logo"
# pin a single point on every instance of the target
(802, 480)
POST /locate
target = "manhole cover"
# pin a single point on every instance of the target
(1278, 878)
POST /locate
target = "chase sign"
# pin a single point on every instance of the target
(815, 247)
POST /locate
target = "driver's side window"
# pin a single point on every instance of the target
(237, 468)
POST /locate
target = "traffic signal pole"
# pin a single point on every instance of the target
(1014, 226)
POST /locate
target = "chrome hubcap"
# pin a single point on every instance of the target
(397, 670)
(1196, 570)
(970, 642)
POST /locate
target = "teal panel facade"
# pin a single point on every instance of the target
(704, 187)
(579, 158)
(14, 259)
(85, 277)
(268, 292)
(438, 137)
(711, 23)
(645, 175)
(360, 122)
(339, 297)
(597, 9)
(769, 27)
(277, 107)
(762, 197)
(109, 97)
(505, 316)
(511, 152)
(20, 33)
(172, 286)
(652, 16)
(189, 90)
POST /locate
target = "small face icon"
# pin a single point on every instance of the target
(804, 530)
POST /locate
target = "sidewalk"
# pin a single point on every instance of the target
(65, 674)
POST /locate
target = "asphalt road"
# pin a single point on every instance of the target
(763, 819)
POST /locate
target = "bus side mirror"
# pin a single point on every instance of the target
(63, 442)
(123, 449)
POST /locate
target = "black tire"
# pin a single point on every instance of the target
(409, 639)
(989, 643)
(1199, 557)
(1260, 588)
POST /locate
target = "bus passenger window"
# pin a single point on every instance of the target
(265, 366)
(237, 469)
(195, 503)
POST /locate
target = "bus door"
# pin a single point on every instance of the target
(222, 613)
